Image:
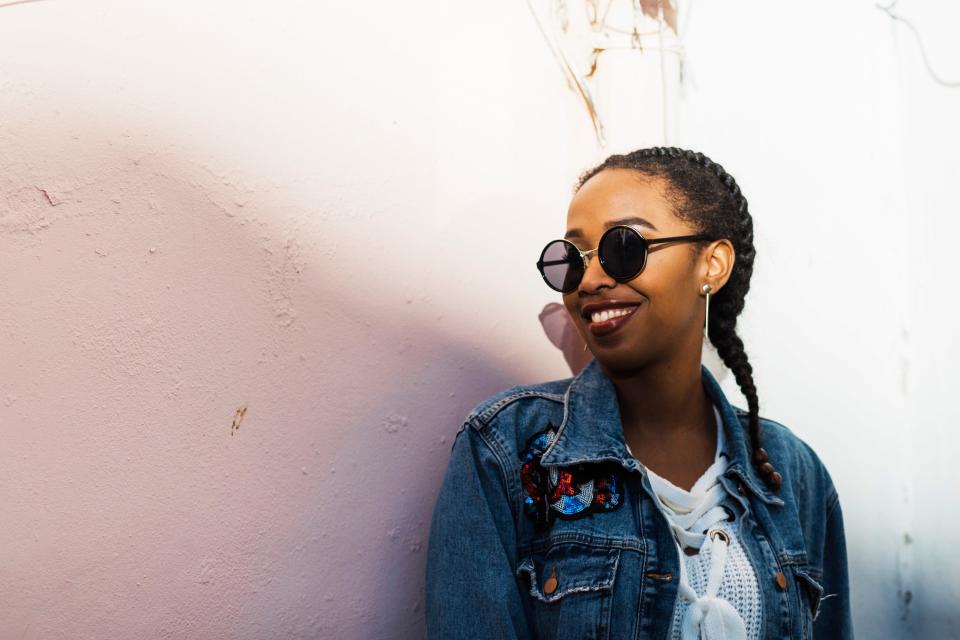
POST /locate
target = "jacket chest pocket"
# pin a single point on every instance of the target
(809, 592)
(570, 586)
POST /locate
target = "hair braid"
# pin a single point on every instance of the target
(705, 195)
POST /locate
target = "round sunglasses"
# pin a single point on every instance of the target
(622, 251)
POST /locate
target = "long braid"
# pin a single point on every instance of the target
(705, 195)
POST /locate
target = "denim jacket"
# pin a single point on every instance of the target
(601, 562)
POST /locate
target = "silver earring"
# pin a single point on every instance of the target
(706, 288)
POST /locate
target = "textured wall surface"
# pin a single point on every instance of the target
(313, 212)
(258, 261)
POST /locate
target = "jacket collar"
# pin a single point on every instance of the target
(591, 431)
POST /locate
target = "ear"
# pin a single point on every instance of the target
(716, 264)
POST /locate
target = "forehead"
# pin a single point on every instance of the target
(614, 194)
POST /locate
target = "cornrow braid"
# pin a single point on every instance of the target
(703, 194)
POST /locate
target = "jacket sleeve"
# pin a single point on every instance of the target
(471, 588)
(833, 619)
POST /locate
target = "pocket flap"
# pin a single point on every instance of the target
(569, 567)
(812, 587)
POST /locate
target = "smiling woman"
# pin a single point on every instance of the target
(633, 500)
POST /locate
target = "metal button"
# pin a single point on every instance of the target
(551, 584)
(781, 581)
(741, 488)
(660, 577)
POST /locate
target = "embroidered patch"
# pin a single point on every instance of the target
(565, 492)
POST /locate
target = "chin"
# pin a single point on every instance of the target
(622, 359)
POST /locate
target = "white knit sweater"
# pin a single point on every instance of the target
(728, 607)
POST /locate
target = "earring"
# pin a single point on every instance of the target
(706, 288)
(584, 346)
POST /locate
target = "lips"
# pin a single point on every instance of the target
(606, 317)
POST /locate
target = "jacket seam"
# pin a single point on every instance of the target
(587, 540)
(833, 499)
(484, 417)
(495, 450)
(795, 558)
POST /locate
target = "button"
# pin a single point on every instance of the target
(776, 479)
(760, 455)
(660, 577)
(781, 581)
(551, 584)
(741, 488)
(766, 468)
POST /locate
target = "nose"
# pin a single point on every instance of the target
(594, 277)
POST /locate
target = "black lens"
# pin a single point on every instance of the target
(622, 252)
(561, 265)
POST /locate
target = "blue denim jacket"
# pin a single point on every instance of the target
(500, 566)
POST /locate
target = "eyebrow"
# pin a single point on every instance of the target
(578, 233)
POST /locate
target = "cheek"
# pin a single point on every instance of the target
(665, 279)
(667, 295)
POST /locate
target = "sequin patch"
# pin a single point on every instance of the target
(565, 492)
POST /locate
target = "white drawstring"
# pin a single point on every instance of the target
(710, 617)
(694, 517)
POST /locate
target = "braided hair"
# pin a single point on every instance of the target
(703, 194)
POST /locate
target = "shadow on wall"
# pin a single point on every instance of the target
(166, 298)
(563, 335)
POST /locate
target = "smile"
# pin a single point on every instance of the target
(606, 321)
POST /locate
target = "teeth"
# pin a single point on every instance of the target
(606, 314)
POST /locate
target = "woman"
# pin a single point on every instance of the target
(633, 500)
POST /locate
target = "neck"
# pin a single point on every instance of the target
(662, 398)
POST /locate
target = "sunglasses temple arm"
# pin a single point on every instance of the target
(675, 238)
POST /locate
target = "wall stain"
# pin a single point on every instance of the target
(903, 573)
(48, 198)
(237, 419)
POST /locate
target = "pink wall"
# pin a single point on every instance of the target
(216, 206)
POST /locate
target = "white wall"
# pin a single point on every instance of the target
(328, 214)
(846, 150)
(931, 218)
